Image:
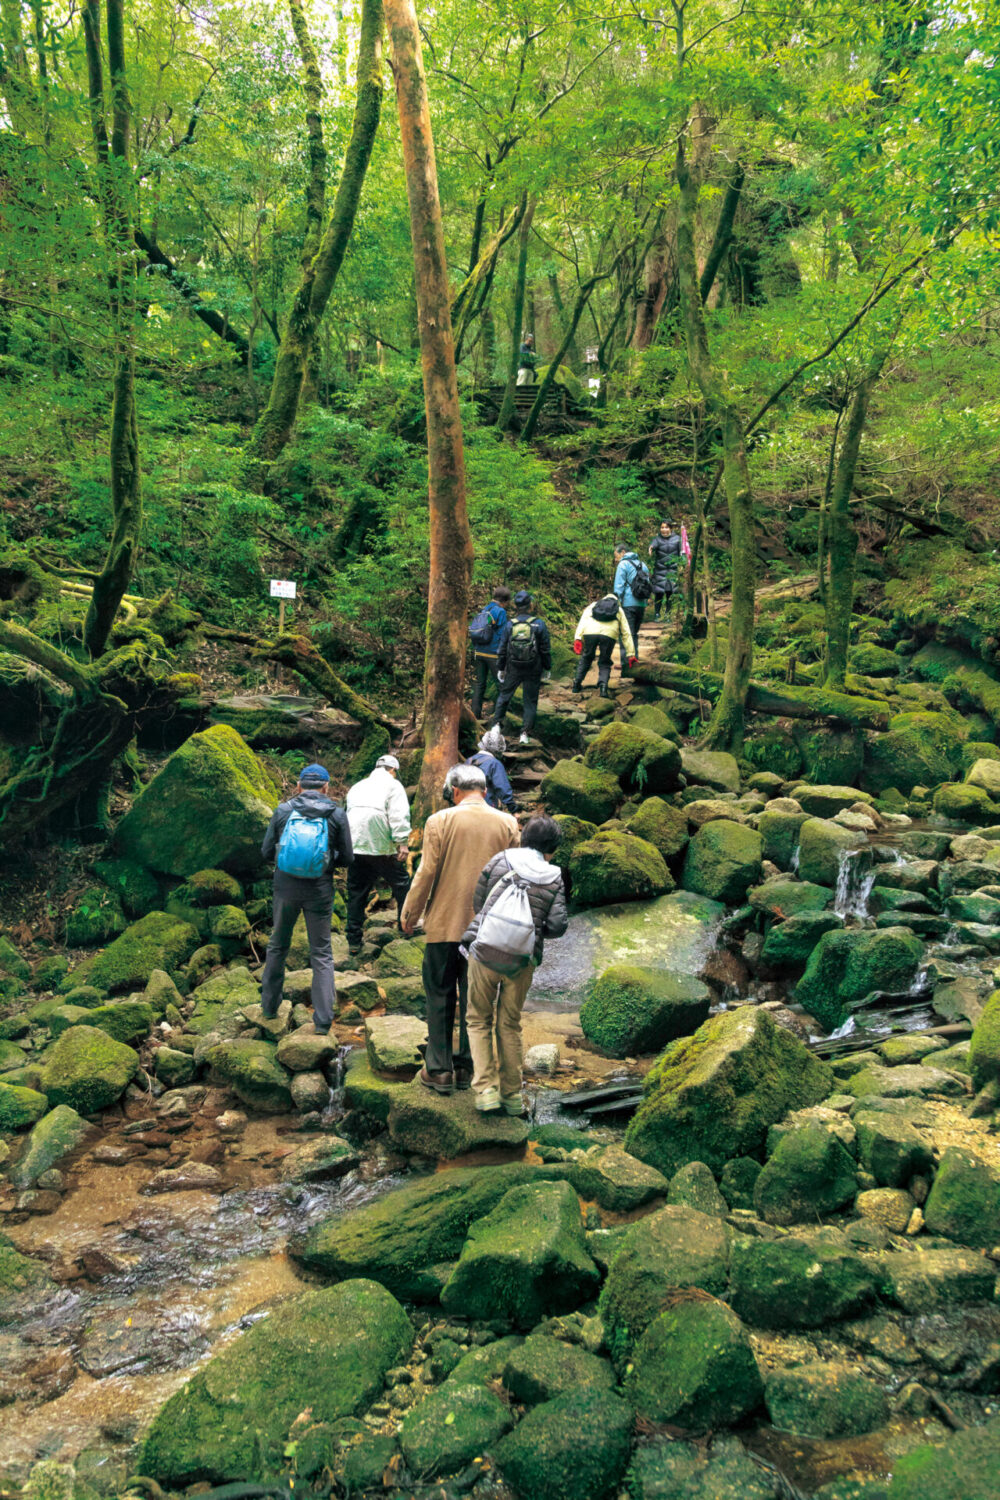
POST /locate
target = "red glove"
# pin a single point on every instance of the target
(578, 647)
(633, 661)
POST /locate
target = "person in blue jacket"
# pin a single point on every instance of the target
(629, 570)
(486, 656)
(499, 792)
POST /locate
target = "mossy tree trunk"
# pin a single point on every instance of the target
(450, 538)
(507, 405)
(320, 271)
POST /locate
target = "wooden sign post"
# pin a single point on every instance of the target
(282, 589)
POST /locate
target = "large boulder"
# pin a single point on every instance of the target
(253, 1072)
(891, 1148)
(640, 761)
(573, 1448)
(20, 1107)
(713, 1096)
(723, 861)
(87, 1069)
(329, 1350)
(694, 1368)
(966, 1464)
(919, 749)
(832, 757)
(443, 1126)
(964, 1203)
(783, 898)
(779, 832)
(799, 1282)
(822, 847)
(960, 803)
(825, 1399)
(393, 1042)
(54, 1136)
(450, 1427)
(788, 945)
(984, 1053)
(675, 1247)
(985, 774)
(828, 801)
(206, 808)
(543, 1367)
(660, 824)
(609, 1177)
(580, 791)
(615, 865)
(525, 1259)
(850, 964)
(713, 768)
(809, 1173)
(157, 941)
(631, 1010)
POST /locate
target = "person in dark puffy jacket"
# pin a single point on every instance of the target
(665, 550)
(499, 981)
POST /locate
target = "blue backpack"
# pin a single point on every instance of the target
(304, 847)
(482, 627)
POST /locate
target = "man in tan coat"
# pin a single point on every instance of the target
(458, 842)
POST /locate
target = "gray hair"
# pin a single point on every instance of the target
(493, 741)
(465, 779)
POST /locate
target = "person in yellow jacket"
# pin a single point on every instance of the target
(603, 624)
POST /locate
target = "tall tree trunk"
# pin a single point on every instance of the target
(507, 405)
(450, 539)
(654, 291)
(723, 237)
(116, 185)
(274, 426)
(725, 730)
(557, 302)
(841, 537)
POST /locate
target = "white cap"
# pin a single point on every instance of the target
(388, 762)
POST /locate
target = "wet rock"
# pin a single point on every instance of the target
(694, 1367)
(121, 1339)
(486, 1364)
(544, 1367)
(20, 1107)
(827, 1400)
(303, 1051)
(192, 1176)
(615, 865)
(822, 845)
(173, 1068)
(231, 1123)
(110, 1155)
(329, 1350)
(364, 1463)
(310, 1091)
(890, 1207)
(779, 831)
(966, 1464)
(908, 1049)
(87, 1069)
(37, 1201)
(674, 1247)
(723, 861)
(694, 1186)
(526, 1258)
(631, 1010)
(964, 1203)
(797, 1282)
(984, 1053)
(810, 1173)
(315, 1161)
(253, 1072)
(26, 1375)
(443, 1127)
(789, 944)
(394, 1043)
(451, 1427)
(922, 1280)
(849, 965)
(614, 1179)
(713, 1096)
(664, 1470)
(573, 1448)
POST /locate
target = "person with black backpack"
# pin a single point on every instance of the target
(524, 660)
(633, 586)
(602, 624)
(485, 631)
(307, 837)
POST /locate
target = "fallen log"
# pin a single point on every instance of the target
(782, 702)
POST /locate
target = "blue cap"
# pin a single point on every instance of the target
(314, 773)
(522, 600)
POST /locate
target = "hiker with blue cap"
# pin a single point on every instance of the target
(378, 811)
(307, 837)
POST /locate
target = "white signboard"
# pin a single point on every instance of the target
(282, 588)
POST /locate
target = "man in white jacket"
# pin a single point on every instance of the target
(379, 814)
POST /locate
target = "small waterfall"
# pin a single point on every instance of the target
(855, 878)
(794, 865)
(335, 1075)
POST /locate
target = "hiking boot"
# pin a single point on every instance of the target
(463, 1078)
(488, 1102)
(577, 687)
(512, 1105)
(438, 1083)
(524, 739)
(603, 691)
(354, 948)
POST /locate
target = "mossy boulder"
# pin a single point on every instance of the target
(442, 1126)
(157, 941)
(694, 1368)
(984, 1053)
(222, 995)
(174, 1069)
(874, 661)
(580, 791)
(677, 1246)
(723, 861)
(798, 1282)
(58, 1132)
(655, 719)
(20, 1107)
(638, 760)
(137, 888)
(788, 945)
(822, 848)
(849, 964)
(828, 801)
(253, 1073)
(891, 1148)
(789, 898)
(713, 1096)
(211, 888)
(810, 1173)
(406, 1236)
(964, 1202)
(572, 831)
(87, 1069)
(615, 865)
(543, 1367)
(207, 808)
(919, 749)
(714, 768)
(660, 824)
(487, 1362)
(965, 1467)
(450, 1427)
(961, 803)
(525, 1259)
(608, 1176)
(828, 1399)
(773, 749)
(329, 1350)
(779, 832)
(573, 1448)
(631, 1010)
(830, 756)
(694, 1186)
(95, 918)
(125, 1020)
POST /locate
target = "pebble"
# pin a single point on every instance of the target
(110, 1155)
(543, 1058)
(186, 1178)
(52, 1180)
(232, 1122)
(916, 1223)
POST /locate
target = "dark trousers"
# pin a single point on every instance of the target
(530, 680)
(486, 672)
(368, 871)
(662, 597)
(601, 646)
(314, 899)
(633, 614)
(446, 982)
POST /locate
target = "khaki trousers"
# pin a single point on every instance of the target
(494, 1022)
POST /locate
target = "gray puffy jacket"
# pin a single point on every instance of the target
(545, 897)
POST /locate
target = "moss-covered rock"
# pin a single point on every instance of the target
(788, 945)
(328, 1350)
(543, 1367)
(580, 791)
(608, 1176)
(828, 801)
(207, 808)
(632, 1010)
(919, 749)
(964, 1202)
(526, 1258)
(694, 1368)
(675, 1247)
(20, 1277)
(638, 760)
(87, 1069)
(95, 918)
(714, 1095)
(56, 1133)
(850, 964)
(789, 898)
(779, 832)
(125, 1020)
(137, 888)
(450, 1427)
(157, 941)
(738, 1181)
(809, 1174)
(713, 768)
(966, 1465)
(222, 995)
(253, 1073)
(830, 756)
(825, 1400)
(822, 847)
(874, 661)
(723, 861)
(961, 803)
(654, 718)
(573, 1448)
(984, 1053)
(798, 1282)
(773, 749)
(20, 1107)
(660, 824)
(442, 1126)
(174, 1069)
(891, 1148)
(615, 865)
(572, 831)
(487, 1362)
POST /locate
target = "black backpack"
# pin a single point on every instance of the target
(606, 609)
(641, 583)
(482, 627)
(523, 647)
